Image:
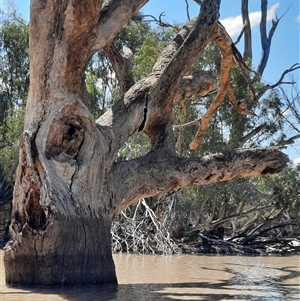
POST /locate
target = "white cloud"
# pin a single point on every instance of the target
(234, 25)
(297, 160)
(298, 19)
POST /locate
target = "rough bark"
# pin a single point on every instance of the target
(68, 183)
(159, 173)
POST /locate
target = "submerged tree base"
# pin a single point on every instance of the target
(33, 259)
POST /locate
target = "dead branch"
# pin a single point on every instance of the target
(266, 39)
(280, 81)
(139, 230)
(188, 124)
(224, 42)
(292, 222)
(240, 35)
(212, 225)
(158, 21)
(187, 9)
(293, 105)
(268, 219)
(160, 172)
(243, 68)
(290, 140)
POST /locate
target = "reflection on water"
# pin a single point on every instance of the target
(187, 277)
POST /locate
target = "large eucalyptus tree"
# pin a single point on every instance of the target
(69, 185)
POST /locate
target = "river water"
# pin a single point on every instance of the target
(185, 277)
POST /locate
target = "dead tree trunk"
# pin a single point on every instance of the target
(69, 186)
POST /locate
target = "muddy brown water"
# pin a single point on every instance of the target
(185, 277)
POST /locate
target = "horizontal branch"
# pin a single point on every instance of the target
(157, 173)
(290, 140)
(221, 221)
(158, 21)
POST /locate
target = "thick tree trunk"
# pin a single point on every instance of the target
(75, 251)
(60, 229)
(61, 217)
(69, 186)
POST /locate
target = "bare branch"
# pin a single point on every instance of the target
(280, 81)
(243, 67)
(158, 21)
(247, 31)
(221, 221)
(187, 9)
(122, 65)
(188, 124)
(290, 140)
(266, 39)
(240, 106)
(160, 173)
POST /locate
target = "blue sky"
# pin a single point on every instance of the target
(285, 50)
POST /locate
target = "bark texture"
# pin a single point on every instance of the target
(69, 186)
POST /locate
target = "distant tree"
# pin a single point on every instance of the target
(14, 84)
